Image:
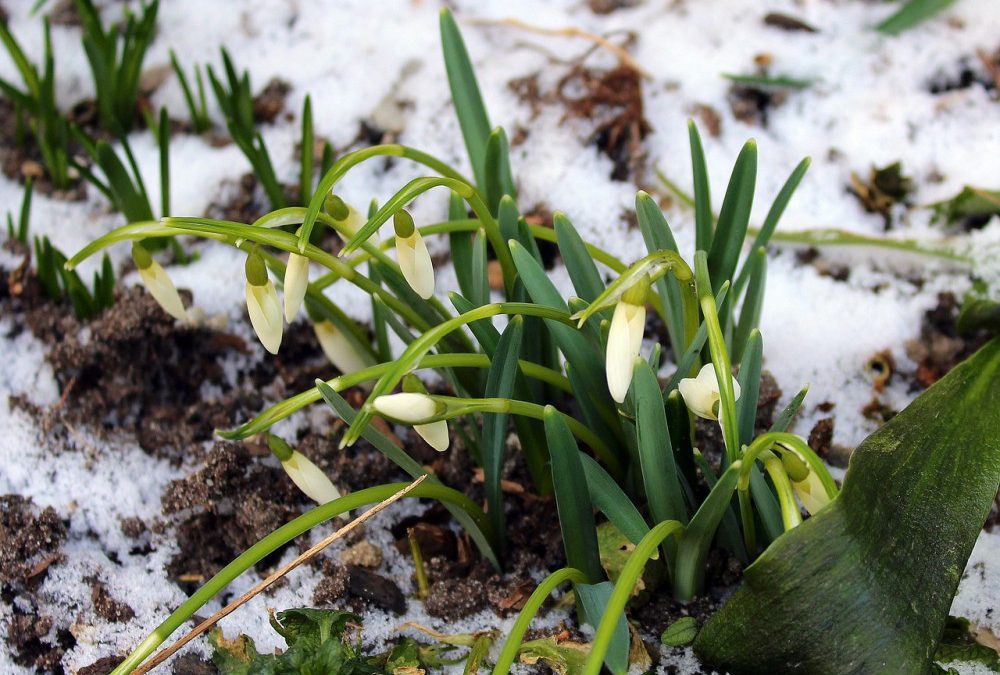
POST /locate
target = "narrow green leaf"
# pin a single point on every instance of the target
(734, 217)
(484, 331)
(480, 271)
(594, 599)
(657, 235)
(163, 138)
(499, 384)
(469, 108)
(498, 179)
(770, 81)
(703, 218)
(460, 245)
(608, 498)
(784, 419)
(753, 302)
(656, 455)
(580, 265)
(306, 153)
(576, 519)
(912, 14)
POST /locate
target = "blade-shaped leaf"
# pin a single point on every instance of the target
(734, 217)
(465, 95)
(914, 500)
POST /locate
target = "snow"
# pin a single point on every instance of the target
(869, 106)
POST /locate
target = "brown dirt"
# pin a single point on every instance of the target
(939, 348)
(106, 606)
(30, 539)
(28, 637)
(270, 102)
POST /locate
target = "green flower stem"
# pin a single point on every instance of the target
(425, 342)
(466, 191)
(281, 410)
(456, 407)
(627, 578)
(791, 516)
(767, 441)
(279, 538)
(352, 159)
(512, 644)
(720, 358)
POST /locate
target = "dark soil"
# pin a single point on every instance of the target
(30, 539)
(979, 70)
(940, 347)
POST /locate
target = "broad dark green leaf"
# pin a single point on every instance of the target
(579, 263)
(914, 500)
(656, 455)
(608, 498)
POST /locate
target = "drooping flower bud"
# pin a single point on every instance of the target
(413, 406)
(339, 349)
(625, 338)
(307, 476)
(349, 219)
(295, 285)
(411, 252)
(701, 394)
(158, 282)
(262, 303)
(811, 493)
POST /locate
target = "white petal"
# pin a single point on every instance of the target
(310, 479)
(415, 264)
(159, 285)
(408, 407)
(339, 349)
(296, 283)
(265, 314)
(699, 397)
(435, 433)
(624, 340)
(811, 493)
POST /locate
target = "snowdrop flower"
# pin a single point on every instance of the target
(158, 282)
(811, 493)
(411, 252)
(350, 219)
(413, 408)
(701, 394)
(262, 304)
(625, 338)
(307, 476)
(342, 353)
(296, 283)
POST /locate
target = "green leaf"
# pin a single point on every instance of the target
(311, 627)
(460, 246)
(498, 179)
(911, 14)
(753, 303)
(681, 632)
(734, 217)
(770, 81)
(594, 599)
(469, 108)
(914, 500)
(306, 153)
(657, 235)
(971, 202)
(576, 519)
(784, 418)
(499, 384)
(564, 657)
(608, 498)
(656, 456)
(702, 194)
(579, 263)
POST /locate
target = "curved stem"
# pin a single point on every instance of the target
(280, 411)
(279, 538)
(456, 407)
(790, 514)
(426, 342)
(627, 578)
(513, 642)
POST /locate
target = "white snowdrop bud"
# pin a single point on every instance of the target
(339, 349)
(157, 282)
(411, 252)
(344, 214)
(262, 304)
(307, 476)
(296, 283)
(625, 339)
(407, 407)
(811, 493)
(701, 394)
(435, 433)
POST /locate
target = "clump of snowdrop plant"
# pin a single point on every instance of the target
(617, 441)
